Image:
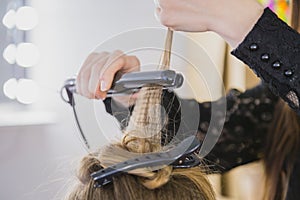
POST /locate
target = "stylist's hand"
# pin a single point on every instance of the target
(99, 69)
(231, 19)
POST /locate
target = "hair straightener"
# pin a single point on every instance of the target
(133, 82)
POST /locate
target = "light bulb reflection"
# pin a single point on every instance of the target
(27, 55)
(9, 19)
(9, 53)
(27, 91)
(26, 18)
(10, 88)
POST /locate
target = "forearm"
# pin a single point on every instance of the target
(234, 24)
(248, 118)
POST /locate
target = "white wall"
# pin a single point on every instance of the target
(37, 161)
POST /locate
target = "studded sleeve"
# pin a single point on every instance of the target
(272, 51)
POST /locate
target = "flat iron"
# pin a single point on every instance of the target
(133, 82)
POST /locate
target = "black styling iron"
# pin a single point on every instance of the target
(133, 82)
(181, 156)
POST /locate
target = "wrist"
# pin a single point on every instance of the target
(233, 28)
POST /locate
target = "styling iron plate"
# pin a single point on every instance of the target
(181, 156)
(133, 82)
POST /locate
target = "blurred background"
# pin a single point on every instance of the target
(44, 42)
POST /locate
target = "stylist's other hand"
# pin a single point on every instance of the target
(99, 69)
(231, 19)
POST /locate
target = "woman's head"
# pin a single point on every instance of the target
(165, 183)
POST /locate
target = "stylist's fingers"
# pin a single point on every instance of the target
(165, 13)
(132, 64)
(83, 76)
(92, 84)
(157, 13)
(118, 62)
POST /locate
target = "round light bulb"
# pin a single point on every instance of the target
(9, 53)
(27, 91)
(9, 19)
(27, 55)
(10, 88)
(26, 18)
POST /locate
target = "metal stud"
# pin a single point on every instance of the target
(276, 65)
(253, 47)
(265, 57)
(288, 73)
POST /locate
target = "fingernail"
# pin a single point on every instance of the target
(103, 86)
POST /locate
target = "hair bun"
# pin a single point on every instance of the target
(88, 165)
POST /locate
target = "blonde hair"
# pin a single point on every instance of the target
(165, 183)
